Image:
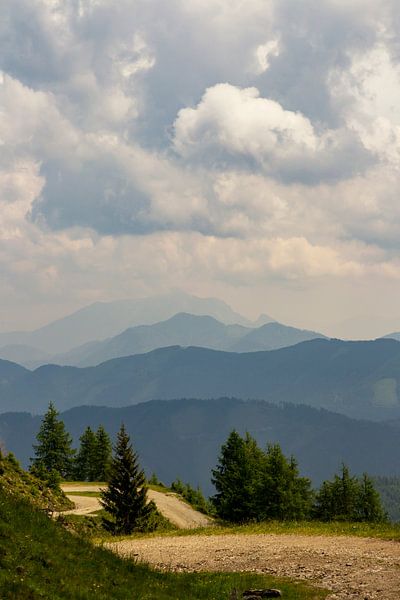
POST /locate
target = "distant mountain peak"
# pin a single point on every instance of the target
(263, 319)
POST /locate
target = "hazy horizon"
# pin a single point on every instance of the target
(356, 328)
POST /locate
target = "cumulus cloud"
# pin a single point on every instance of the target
(231, 122)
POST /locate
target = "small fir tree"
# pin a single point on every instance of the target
(53, 453)
(125, 499)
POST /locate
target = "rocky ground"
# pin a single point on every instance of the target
(351, 567)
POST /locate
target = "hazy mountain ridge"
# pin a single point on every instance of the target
(105, 319)
(185, 330)
(182, 438)
(360, 379)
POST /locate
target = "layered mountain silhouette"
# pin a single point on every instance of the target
(182, 438)
(105, 319)
(185, 330)
(359, 379)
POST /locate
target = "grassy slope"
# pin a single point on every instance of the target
(18, 482)
(39, 559)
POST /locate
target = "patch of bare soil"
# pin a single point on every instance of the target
(356, 568)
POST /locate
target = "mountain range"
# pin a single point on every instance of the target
(182, 329)
(105, 319)
(359, 379)
(182, 438)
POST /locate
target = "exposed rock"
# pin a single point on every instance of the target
(267, 593)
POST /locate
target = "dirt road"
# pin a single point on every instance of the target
(179, 513)
(356, 568)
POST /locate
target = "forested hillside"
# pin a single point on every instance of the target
(359, 379)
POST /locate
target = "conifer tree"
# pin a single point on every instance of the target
(103, 455)
(346, 498)
(125, 499)
(369, 502)
(237, 479)
(86, 457)
(253, 485)
(284, 495)
(53, 453)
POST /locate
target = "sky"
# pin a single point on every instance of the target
(242, 149)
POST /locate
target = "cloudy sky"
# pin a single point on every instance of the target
(243, 149)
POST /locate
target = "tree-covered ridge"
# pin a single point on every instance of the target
(359, 379)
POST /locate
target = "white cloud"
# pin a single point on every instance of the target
(372, 88)
(233, 122)
(264, 54)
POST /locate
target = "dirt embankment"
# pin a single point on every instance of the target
(356, 568)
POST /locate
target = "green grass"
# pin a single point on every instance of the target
(20, 483)
(384, 531)
(39, 560)
(66, 484)
(86, 494)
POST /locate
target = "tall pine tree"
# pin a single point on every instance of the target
(125, 499)
(53, 453)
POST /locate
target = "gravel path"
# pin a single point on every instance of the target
(356, 568)
(179, 513)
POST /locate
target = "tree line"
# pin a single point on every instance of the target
(251, 484)
(257, 485)
(55, 458)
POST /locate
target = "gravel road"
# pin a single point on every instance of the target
(179, 513)
(351, 567)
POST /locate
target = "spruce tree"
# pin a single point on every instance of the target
(237, 479)
(369, 506)
(125, 499)
(53, 453)
(284, 495)
(346, 498)
(103, 455)
(86, 457)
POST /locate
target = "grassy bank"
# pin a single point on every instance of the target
(39, 559)
(384, 531)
